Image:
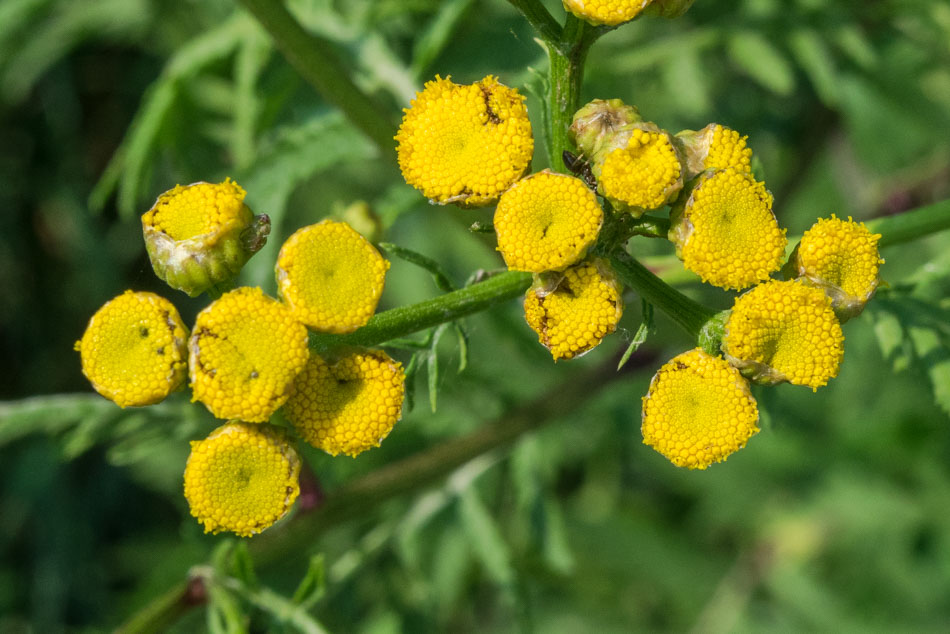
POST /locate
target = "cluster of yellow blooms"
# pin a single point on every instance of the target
(248, 353)
(699, 408)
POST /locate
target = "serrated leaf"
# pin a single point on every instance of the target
(762, 61)
(438, 34)
(313, 584)
(439, 275)
(646, 327)
(816, 60)
(485, 537)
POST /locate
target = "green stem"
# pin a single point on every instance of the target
(405, 320)
(540, 19)
(566, 70)
(690, 315)
(162, 612)
(317, 61)
(912, 225)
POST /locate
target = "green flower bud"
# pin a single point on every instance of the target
(199, 236)
(596, 126)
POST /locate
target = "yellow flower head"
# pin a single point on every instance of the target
(784, 331)
(245, 351)
(715, 147)
(201, 235)
(699, 410)
(609, 12)
(840, 257)
(576, 311)
(330, 276)
(465, 144)
(241, 478)
(134, 349)
(725, 231)
(644, 174)
(546, 222)
(349, 404)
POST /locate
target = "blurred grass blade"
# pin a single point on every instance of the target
(816, 60)
(438, 35)
(487, 543)
(761, 61)
(252, 57)
(313, 585)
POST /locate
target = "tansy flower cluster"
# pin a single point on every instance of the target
(248, 353)
(699, 408)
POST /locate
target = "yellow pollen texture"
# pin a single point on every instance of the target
(698, 411)
(330, 276)
(728, 150)
(465, 144)
(134, 349)
(546, 222)
(194, 210)
(242, 478)
(842, 253)
(726, 232)
(609, 12)
(245, 351)
(785, 331)
(348, 405)
(645, 173)
(578, 313)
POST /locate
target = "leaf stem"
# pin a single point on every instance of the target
(911, 225)
(566, 71)
(318, 62)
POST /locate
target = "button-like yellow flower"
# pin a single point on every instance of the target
(349, 404)
(714, 147)
(546, 222)
(784, 331)
(699, 410)
(241, 478)
(575, 311)
(245, 351)
(644, 174)
(134, 349)
(725, 231)
(840, 257)
(609, 12)
(465, 144)
(201, 235)
(330, 276)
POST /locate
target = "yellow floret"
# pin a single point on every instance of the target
(842, 258)
(546, 222)
(643, 175)
(190, 211)
(347, 405)
(575, 313)
(699, 410)
(134, 349)
(241, 478)
(609, 12)
(465, 144)
(725, 231)
(330, 276)
(728, 150)
(784, 331)
(245, 352)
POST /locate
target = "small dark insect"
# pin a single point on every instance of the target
(580, 168)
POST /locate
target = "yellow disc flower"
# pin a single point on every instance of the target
(465, 144)
(546, 222)
(134, 349)
(201, 235)
(245, 351)
(609, 12)
(644, 174)
(714, 147)
(575, 312)
(330, 276)
(840, 257)
(241, 478)
(784, 331)
(725, 231)
(348, 404)
(698, 411)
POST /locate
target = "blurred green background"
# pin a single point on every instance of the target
(834, 518)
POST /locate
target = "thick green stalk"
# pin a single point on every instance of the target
(318, 62)
(405, 320)
(912, 225)
(565, 73)
(688, 314)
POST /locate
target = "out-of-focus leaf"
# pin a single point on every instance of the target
(224, 611)
(933, 352)
(252, 57)
(242, 566)
(463, 345)
(756, 56)
(852, 40)
(313, 585)
(451, 568)
(683, 76)
(557, 547)
(438, 34)
(486, 540)
(816, 60)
